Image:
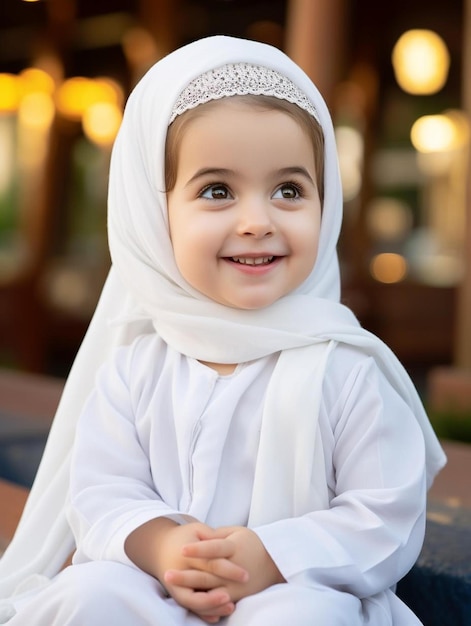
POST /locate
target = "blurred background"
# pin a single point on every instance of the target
(396, 77)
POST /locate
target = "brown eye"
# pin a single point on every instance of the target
(287, 192)
(215, 192)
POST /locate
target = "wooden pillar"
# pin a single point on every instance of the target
(161, 18)
(156, 35)
(315, 39)
(463, 318)
(449, 388)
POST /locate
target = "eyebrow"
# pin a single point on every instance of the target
(286, 171)
(209, 171)
(220, 171)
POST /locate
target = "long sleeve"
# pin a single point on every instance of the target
(112, 491)
(163, 435)
(373, 530)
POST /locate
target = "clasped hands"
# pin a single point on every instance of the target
(208, 570)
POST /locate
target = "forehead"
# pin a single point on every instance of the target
(234, 127)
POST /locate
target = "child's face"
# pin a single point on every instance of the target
(244, 213)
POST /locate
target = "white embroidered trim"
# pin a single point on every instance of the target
(239, 79)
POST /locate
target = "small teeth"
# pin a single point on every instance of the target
(261, 260)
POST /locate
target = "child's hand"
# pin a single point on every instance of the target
(236, 546)
(200, 589)
(156, 547)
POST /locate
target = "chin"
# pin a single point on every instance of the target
(253, 305)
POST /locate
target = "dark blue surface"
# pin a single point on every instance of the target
(438, 588)
(22, 442)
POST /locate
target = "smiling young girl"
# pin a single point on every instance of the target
(248, 453)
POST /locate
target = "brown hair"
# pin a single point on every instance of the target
(303, 118)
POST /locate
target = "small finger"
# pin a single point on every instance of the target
(223, 610)
(226, 569)
(214, 619)
(222, 568)
(215, 602)
(209, 549)
(192, 579)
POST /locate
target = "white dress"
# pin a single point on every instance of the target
(163, 434)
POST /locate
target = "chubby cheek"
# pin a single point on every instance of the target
(183, 255)
(194, 256)
(309, 262)
(307, 243)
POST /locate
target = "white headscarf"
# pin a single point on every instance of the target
(146, 292)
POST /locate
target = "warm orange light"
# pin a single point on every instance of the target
(37, 111)
(10, 93)
(388, 219)
(388, 267)
(113, 89)
(101, 122)
(440, 133)
(35, 80)
(140, 47)
(77, 94)
(421, 62)
(432, 133)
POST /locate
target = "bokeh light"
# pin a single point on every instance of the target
(35, 80)
(10, 92)
(350, 148)
(421, 62)
(440, 133)
(77, 94)
(101, 122)
(389, 219)
(388, 267)
(36, 110)
(433, 133)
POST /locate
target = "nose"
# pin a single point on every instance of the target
(255, 219)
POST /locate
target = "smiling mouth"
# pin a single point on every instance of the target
(260, 260)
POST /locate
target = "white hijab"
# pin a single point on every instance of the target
(145, 292)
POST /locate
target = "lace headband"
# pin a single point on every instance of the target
(240, 79)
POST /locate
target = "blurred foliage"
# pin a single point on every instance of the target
(454, 425)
